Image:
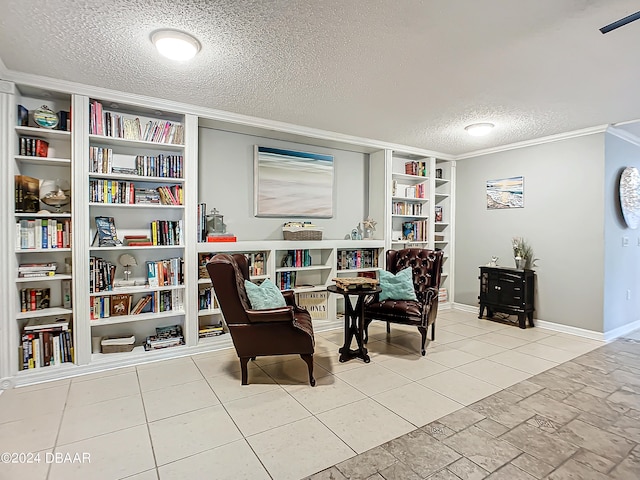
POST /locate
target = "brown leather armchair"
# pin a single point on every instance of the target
(426, 266)
(275, 331)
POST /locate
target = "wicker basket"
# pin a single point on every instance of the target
(301, 233)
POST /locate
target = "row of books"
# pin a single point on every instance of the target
(415, 231)
(360, 258)
(101, 160)
(207, 299)
(165, 337)
(33, 147)
(101, 275)
(438, 213)
(406, 208)
(32, 299)
(297, 258)
(166, 232)
(25, 119)
(117, 125)
(163, 273)
(416, 168)
(122, 192)
(165, 166)
(201, 224)
(46, 342)
(409, 191)
(43, 233)
(286, 280)
(442, 295)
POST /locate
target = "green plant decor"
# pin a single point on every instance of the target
(521, 249)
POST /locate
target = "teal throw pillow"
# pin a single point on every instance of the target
(263, 296)
(398, 286)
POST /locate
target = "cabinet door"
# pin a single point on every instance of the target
(505, 289)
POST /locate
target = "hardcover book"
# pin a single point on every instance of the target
(120, 304)
(106, 232)
(27, 194)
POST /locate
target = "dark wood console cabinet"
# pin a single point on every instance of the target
(507, 290)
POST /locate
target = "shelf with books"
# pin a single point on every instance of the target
(45, 312)
(41, 208)
(51, 278)
(444, 226)
(140, 317)
(43, 161)
(125, 142)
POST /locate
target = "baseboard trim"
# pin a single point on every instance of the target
(621, 331)
(558, 327)
(465, 308)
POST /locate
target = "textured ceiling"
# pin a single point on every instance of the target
(404, 71)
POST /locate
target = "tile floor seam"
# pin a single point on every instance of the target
(55, 441)
(144, 407)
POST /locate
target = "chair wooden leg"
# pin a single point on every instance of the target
(423, 332)
(433, 331)
(243, 366)
(308, 358)
(388, 327)
(367, 321)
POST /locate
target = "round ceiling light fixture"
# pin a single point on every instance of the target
(175, 45)
(479, 129)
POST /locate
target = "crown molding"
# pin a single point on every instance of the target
(624, 135)
(333, 138)
(536, 141)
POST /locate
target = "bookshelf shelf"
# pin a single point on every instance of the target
(43, 215)
(140, 317)
(403, 177)
(43, 250)
(104, 140)
(43, 161)
(316, 288)
(135, 289)
(410, 216)
(43, 133)
(53, 278)
(209, 311)
(143, 247)
(45, 312)
(137, 355)
(300, 269)
(441, 181)
(135, 178)
(134, 205)
(410, 199)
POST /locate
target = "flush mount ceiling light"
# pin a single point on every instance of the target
(479, 129)
(175, 45)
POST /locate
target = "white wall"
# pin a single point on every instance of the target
(562, 218)
(622, 264)
(226, 183)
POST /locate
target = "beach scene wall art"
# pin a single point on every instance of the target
(505, 193)
(289, 183)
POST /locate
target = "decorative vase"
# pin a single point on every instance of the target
(520, 262)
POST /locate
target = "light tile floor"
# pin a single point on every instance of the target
(484, 402)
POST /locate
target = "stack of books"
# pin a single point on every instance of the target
(137, 240)
(30, 270)
(210, 331)
(165, 337)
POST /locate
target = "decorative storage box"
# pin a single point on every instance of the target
(302, 233)
(117, 344)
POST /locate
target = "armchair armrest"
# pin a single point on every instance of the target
(281, 314)
(289, 297)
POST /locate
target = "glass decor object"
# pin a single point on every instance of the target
(55, 193)
(630, 196)
(45, 117)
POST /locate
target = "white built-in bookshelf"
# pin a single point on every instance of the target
(102, 170)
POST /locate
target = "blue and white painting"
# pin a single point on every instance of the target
(505, 193)
(288, 183)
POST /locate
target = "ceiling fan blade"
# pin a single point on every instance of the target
(620, 23)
